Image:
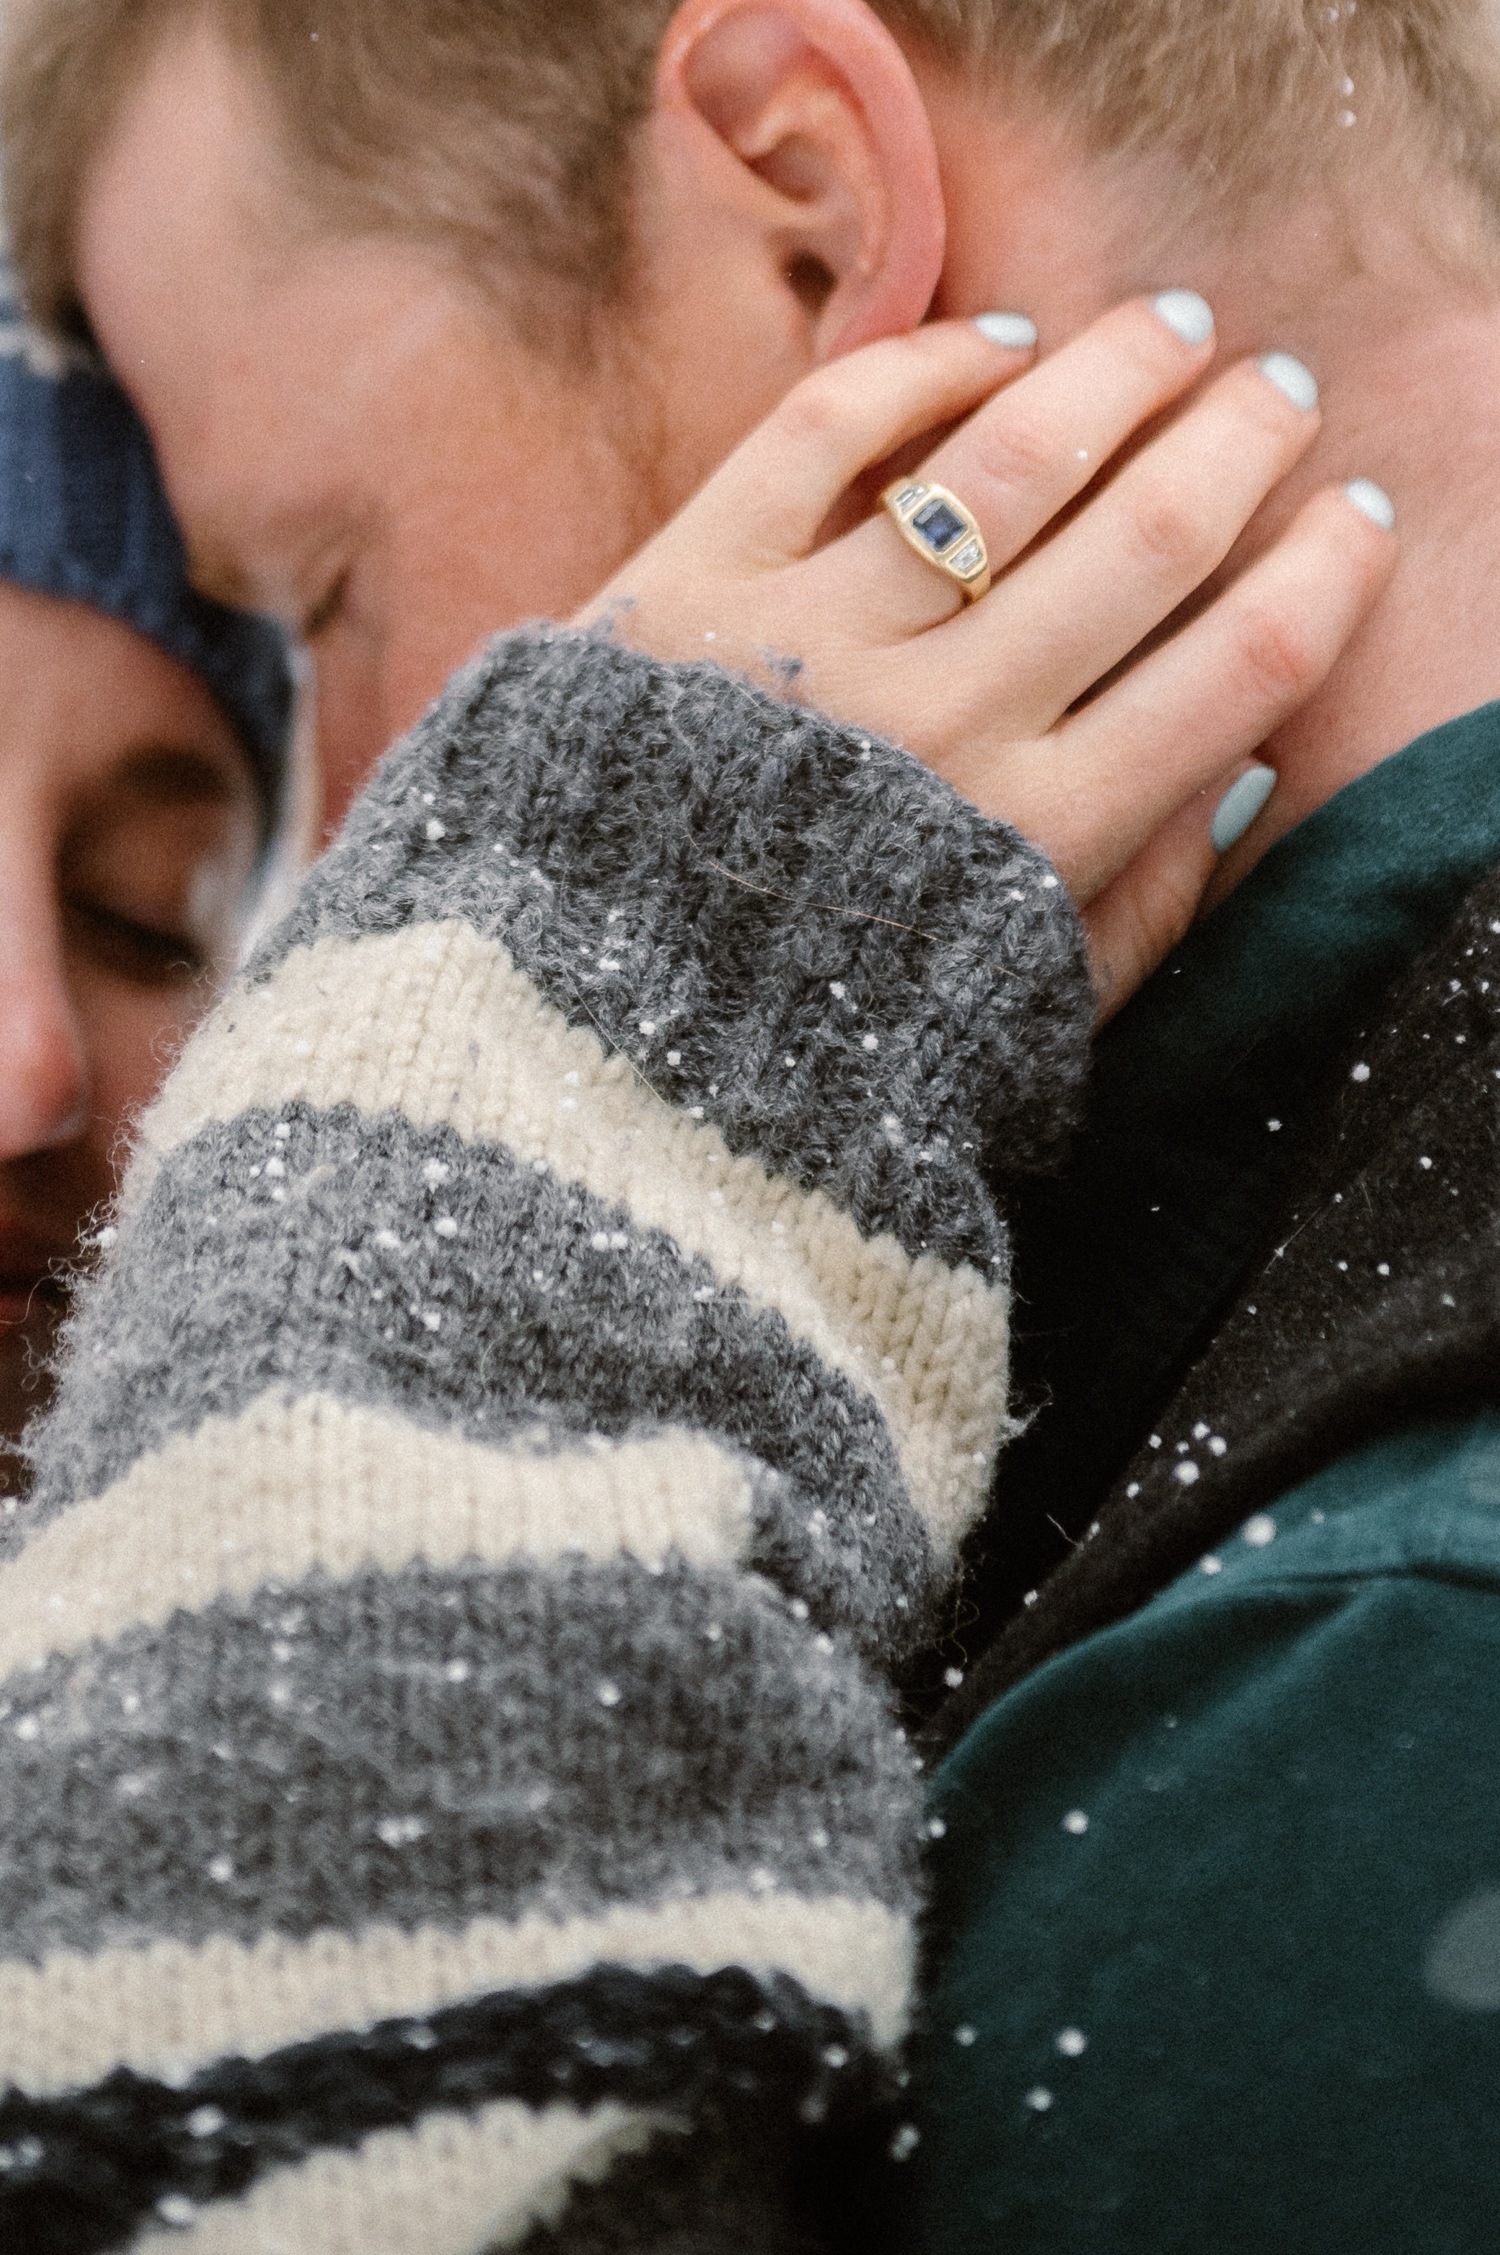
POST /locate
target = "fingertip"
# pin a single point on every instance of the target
(1240, 805)
(1372, 501)
(1013, 332)
(1189, 316)
(1292, 378)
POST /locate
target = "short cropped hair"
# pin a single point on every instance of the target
(506, 128)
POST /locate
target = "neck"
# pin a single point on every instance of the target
(1407, 355)
(1408, 367)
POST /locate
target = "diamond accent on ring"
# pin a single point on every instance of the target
(967, 559)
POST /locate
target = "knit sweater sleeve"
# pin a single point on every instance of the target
(553, 1340)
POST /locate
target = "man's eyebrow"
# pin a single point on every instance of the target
(216, 573)
(172, 775)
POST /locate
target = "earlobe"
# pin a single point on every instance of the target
(804, 115)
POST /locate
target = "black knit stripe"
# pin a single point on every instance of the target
(1376, 1302)
(724, 2191)
(930, 981)
(84, 2173)
(500, 1741)
(406, 1268)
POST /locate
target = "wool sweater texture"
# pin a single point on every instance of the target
(551, 1346)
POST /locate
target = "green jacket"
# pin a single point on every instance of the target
(1215, 1954)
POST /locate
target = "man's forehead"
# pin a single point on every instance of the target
(178, 170)
(262, 353)
(173, 247)
(240, 427)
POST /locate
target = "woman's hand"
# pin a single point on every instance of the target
(1118, 783)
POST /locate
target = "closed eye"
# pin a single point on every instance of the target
(139, 953)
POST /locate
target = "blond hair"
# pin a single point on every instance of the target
(505, 128)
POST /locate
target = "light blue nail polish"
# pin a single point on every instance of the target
(1373, 501)
(1299, 384)
(1240, 805)
(1012, 330)
(1186, 314)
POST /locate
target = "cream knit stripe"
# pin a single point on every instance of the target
(457, 2184)
(170, 2009)
(290, 1486)
(437, 1023)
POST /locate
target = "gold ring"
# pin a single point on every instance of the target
(936, 525)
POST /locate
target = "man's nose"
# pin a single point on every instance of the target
(43, 1071)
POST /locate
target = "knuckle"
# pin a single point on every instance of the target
(1014, 456)
(1278, 656)
(815, 409)
(1168, 535)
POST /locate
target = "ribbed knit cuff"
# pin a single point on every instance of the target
(790, 924)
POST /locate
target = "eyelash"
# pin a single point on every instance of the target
(139, 952)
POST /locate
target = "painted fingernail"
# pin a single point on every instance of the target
(1373, 500)
(1013, 330)
(1289, 376)
(1186, 314)
(1240, 805)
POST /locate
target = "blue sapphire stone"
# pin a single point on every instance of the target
(938, 526)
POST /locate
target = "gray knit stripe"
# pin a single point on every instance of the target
(459, 1746)
(667, 848)
(541, 1303)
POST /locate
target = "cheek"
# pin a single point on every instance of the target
(132, 1037)
(356, 718)
(527, 538)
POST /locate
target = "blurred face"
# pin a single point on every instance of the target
(128, 830)
(352, 437)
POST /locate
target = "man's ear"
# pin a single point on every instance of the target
(801, 121)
